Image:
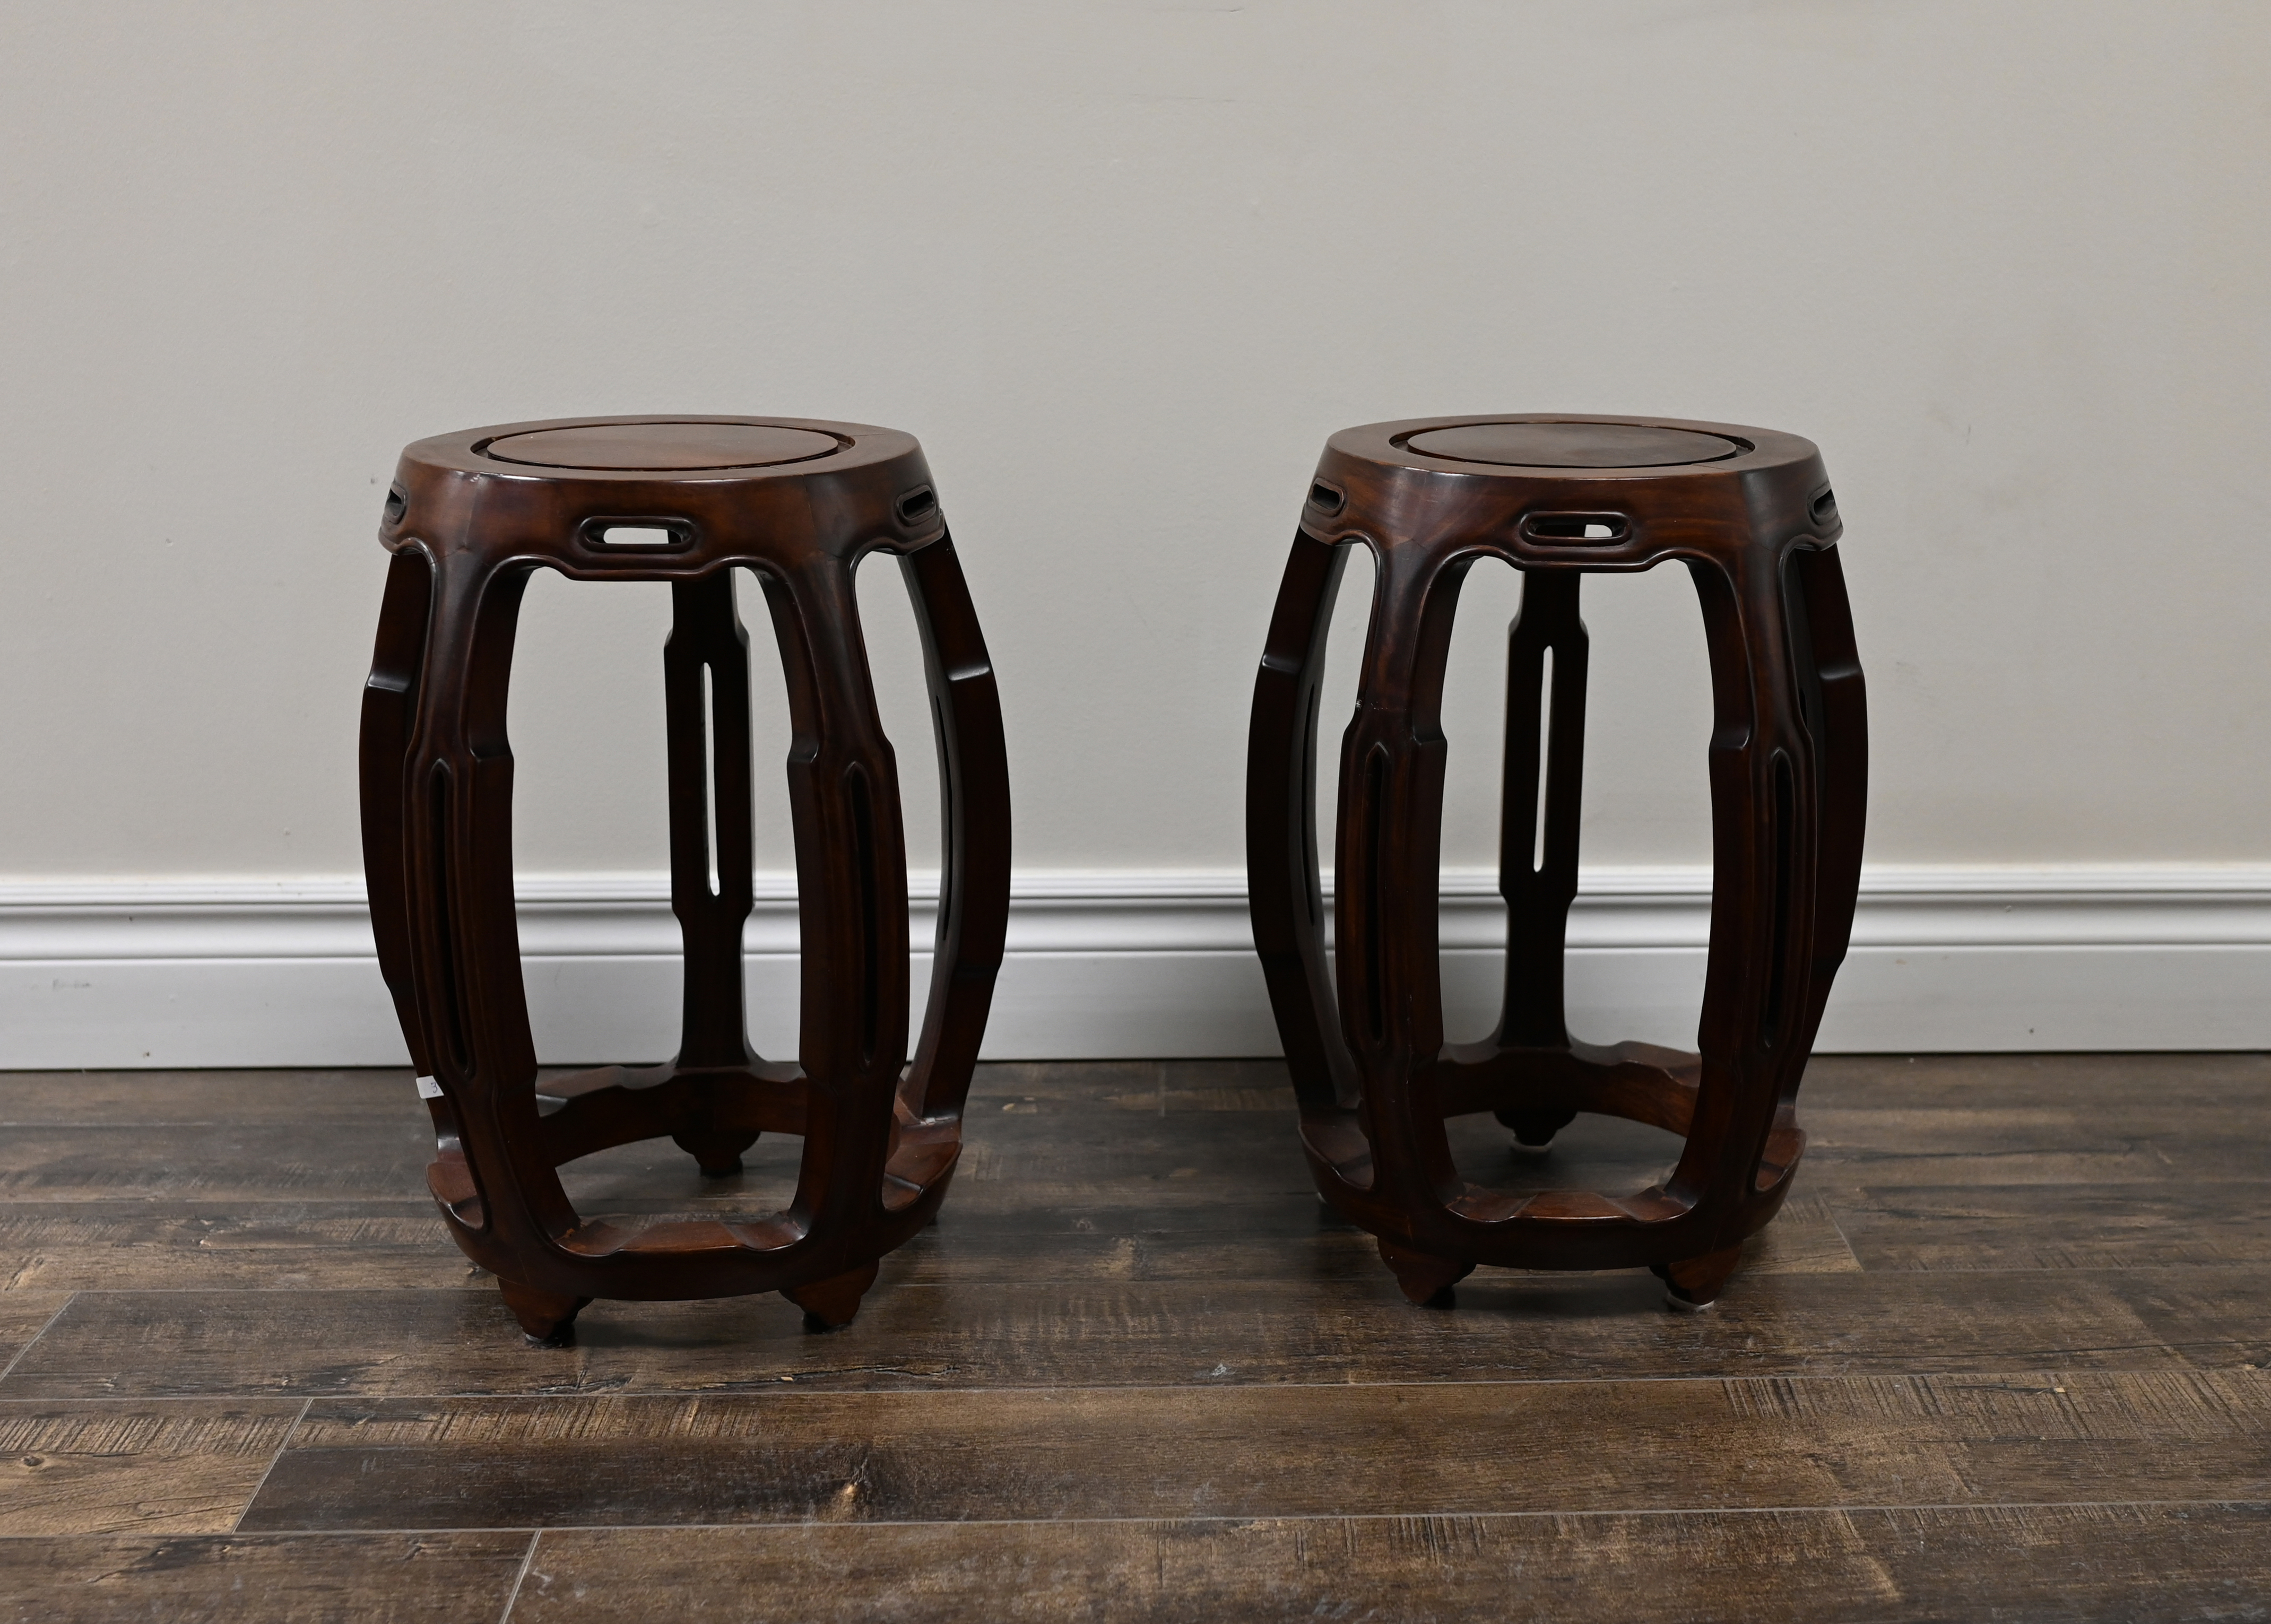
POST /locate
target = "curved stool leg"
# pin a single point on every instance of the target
(390, 699)
(390, 716)
(1835, 704)
(1283, 889)
(464, 942)
(973, 897)
(1386, 856)
(852, 890)
(1763, 984)
(1823, 801)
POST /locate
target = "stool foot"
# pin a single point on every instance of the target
(546, 1318)
(718, 1155)
(828, 1305)
(1695, 1283)
(1534, 1130)
(1424, 1280)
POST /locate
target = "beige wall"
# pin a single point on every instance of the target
(1122, 267)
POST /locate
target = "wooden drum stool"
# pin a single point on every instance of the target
(684, 500)
(1750, 513)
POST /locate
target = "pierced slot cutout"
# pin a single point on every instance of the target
(398, 503)
(634, 536)
(919, 503)
(1544, 746)
(1825, 507)
(1567, 528)
(1325, 499)
(709, 777)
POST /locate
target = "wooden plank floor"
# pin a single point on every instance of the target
(2007, 1355)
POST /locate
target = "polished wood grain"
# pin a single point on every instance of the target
(875, 1100)
(1138, 1371)
(169, 1466)
(1240, 1450)
(2152, 1564)
(206, 1245)
(1523, 1327)
(224, 1097)
(213, 1161)
(2005, 1226)
(430, 1578)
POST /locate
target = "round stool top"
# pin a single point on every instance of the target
(660, 447)
(1600, 493)
(663, 496)
(1529, 444)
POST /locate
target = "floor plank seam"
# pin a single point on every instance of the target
(785, 1387)
(1360, 1291)
(520, 1577)
(537, 1531)
(1829, 1217)
(46, 1326)
(269, 1470)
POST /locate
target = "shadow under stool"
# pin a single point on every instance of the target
(686, 501)
(1749, 511)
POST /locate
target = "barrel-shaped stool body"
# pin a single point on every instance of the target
(797, 504)
(1749, 511)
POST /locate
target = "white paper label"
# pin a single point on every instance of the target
(428, 1089)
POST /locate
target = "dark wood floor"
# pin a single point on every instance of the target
(2007, 1355)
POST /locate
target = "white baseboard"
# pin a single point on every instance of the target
(117, 973)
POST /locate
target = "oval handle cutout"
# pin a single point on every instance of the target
(1576, 529)
(917, 504)
(636, 535)
(1825, 506)
(398, 503)
(1325, 499)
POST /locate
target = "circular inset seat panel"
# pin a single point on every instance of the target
(661, 448)
(1574, 446)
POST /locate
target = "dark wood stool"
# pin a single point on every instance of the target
(1749, 511)
(684, 500)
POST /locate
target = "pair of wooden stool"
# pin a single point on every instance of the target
(799, 504)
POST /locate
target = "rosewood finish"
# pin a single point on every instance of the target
(1750, 512)
(684, 500)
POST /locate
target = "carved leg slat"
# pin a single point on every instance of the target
(1544, 752)
(1539, 879)
(710, 813)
